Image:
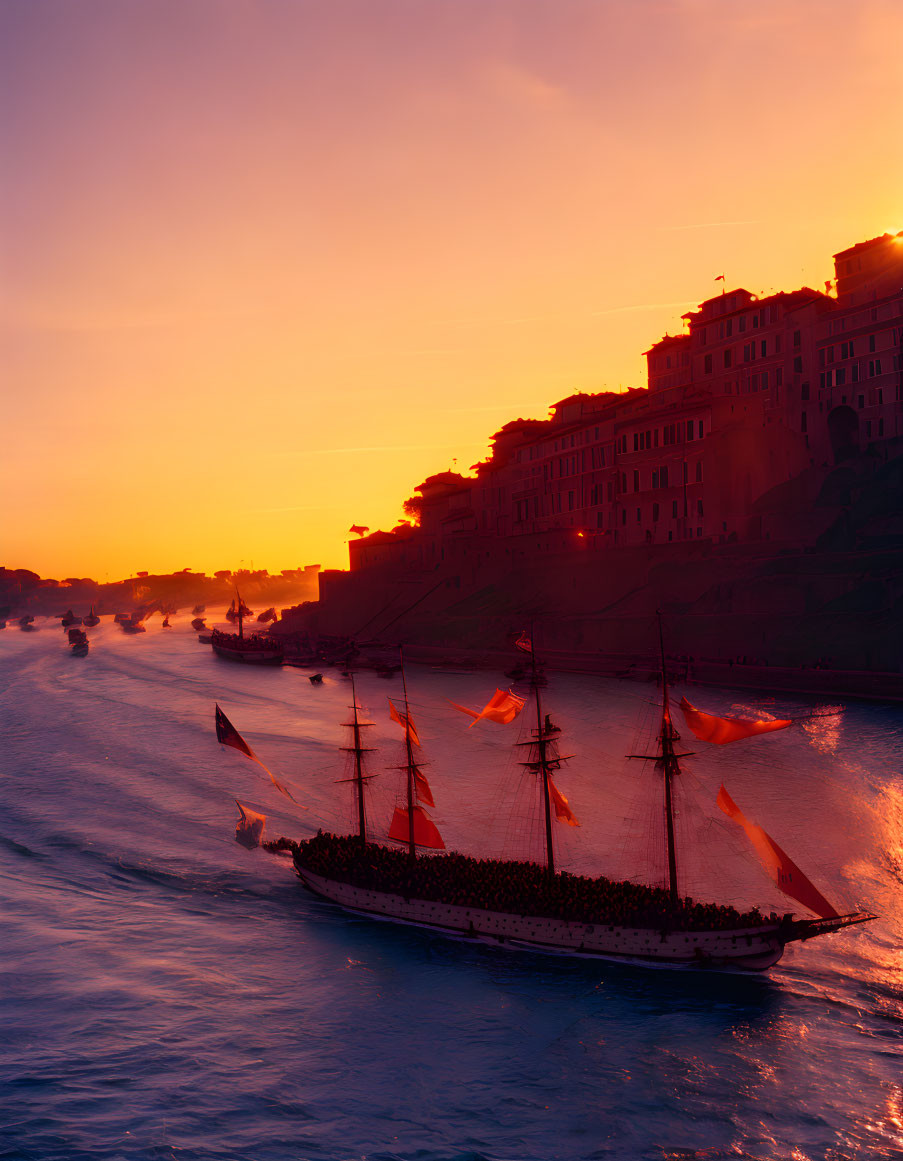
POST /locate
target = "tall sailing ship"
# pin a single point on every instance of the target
(537, 907)
(256, 649)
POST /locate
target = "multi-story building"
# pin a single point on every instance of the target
(753, 393)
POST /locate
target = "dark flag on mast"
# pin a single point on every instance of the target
(227, 735)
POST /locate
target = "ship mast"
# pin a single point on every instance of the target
(412, 851)
(670, 767)
(544, 763)
(358, 750)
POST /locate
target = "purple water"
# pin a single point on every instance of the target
(167, 994)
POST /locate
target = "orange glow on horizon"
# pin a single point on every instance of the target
(253, 295)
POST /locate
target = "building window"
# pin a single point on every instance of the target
(742, 324)
(636, 441)
(639, 515)
(868, 429)
(636, 480)
(654, 478)
(663, 478)
(854, 373)
(727, 357)
(708, 364)
(699, 471)
(804, 390)
(778, 376)
(798, 364)
(861, 402)
(689, 430)
(803, 426)
(674, 508)
(871, 342)
(699, 507)
(880, 428)
(797, 338)
(840, 376)
(763, 348)
(654, 513)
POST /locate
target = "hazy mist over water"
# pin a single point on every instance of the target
(166, 994)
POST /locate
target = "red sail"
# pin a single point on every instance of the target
(562, 807)
(426, 833)
(720, 731)
(503, 707)
(780, 866)
(424, 794)
(405, 721)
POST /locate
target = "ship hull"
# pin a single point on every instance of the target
(746, 949)
(249, 657)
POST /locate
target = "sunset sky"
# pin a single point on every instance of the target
(266, 264)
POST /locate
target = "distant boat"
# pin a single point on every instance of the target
(133, 626)
(92, 619)
(198, 623)
(69, 618)
(205, 638)
(26, 623)
(198, 609)
(258, 649)
(122, 618)
(268, 615)
(76, 635)
(166, 624)
(80, 648)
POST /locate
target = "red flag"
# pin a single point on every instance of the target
(524, 643)
(720, 731)
(405, 721)
(426, 833)
(781, 867)
(227, 734)
(562, 807)
(503, 707)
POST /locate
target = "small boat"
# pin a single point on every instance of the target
(92, 619)
(122, 618)
(205, 638)
(69, 618)
(535, 907)
(198, 609)
(80, 648)
(132, 626)
(267, 615)
(199, 623)
(166, 624)
(76, 635)
(26, 623)
(316, 679)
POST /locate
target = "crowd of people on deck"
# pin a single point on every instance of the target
(516, 888)
(250, 642)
